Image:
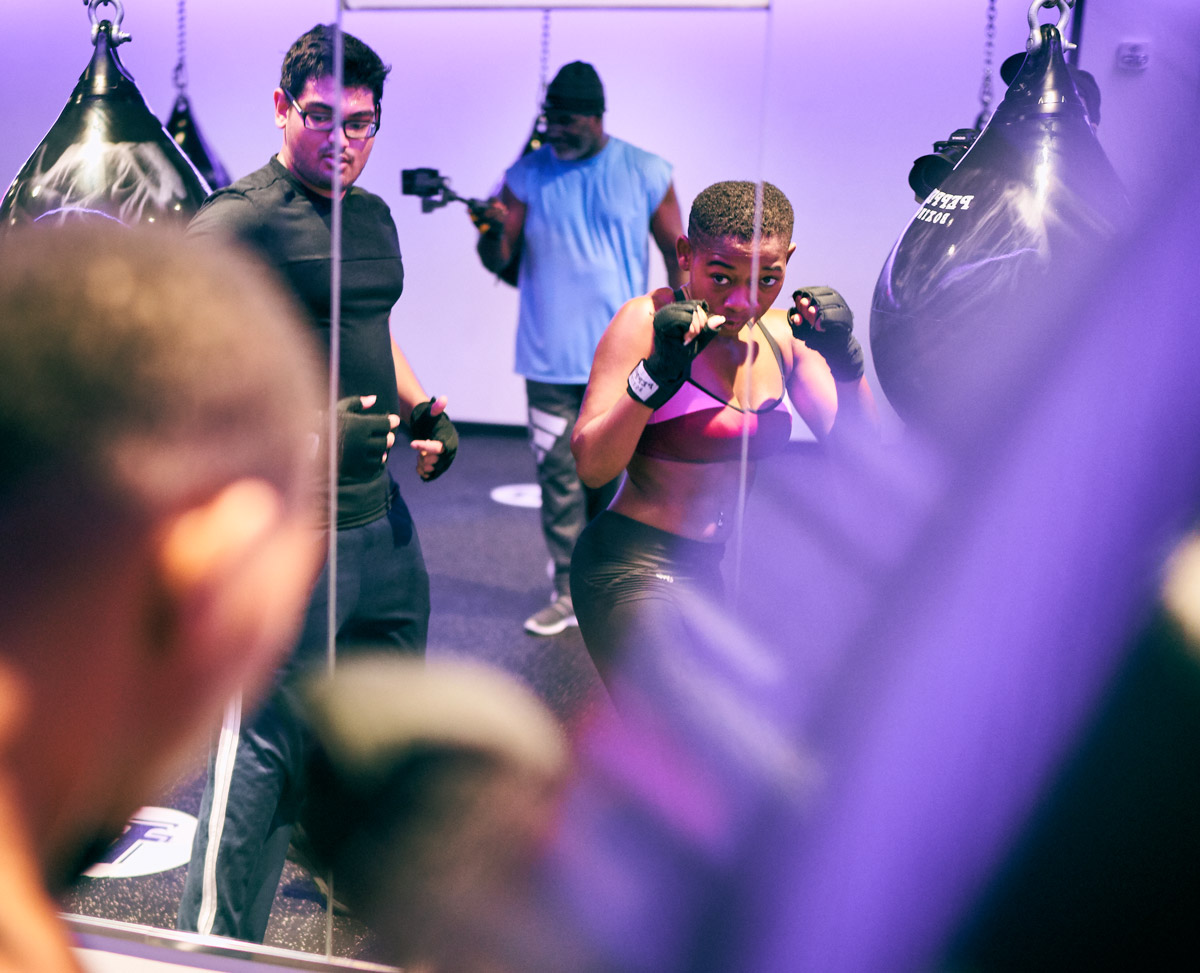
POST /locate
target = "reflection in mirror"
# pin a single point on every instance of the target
(356, 295)
(487, 562)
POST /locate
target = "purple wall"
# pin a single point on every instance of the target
(832, 102)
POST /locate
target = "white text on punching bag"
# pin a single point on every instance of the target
(945, 202)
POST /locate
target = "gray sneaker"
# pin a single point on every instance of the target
(556, 617)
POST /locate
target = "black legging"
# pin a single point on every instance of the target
(631, 583)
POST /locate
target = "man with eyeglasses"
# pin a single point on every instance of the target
(581, 209)
(255, 782)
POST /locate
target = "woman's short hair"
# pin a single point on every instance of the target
(727, 209)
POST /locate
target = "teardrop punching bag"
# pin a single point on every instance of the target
(182, 127)
(106, 157)
(1030, 201)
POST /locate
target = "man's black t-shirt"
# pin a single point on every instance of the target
(270, 209)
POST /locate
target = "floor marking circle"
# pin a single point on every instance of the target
(518, 495)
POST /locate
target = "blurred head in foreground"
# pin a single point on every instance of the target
(156, 462)
(433, 793)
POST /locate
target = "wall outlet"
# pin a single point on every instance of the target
(1133, 55)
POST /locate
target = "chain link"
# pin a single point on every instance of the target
(986, 89)
(180, 74)
(544, 67)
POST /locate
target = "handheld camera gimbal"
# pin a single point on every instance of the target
(434, 191)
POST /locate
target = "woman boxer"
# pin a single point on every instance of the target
(678, 381)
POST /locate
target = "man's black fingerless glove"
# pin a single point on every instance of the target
(658, 377)
(423, 424)
(486, 220)
(362, 438)
(833, 334)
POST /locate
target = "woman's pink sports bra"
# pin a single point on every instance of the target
(697, 426)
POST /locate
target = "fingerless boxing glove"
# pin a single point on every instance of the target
(832, 335)
(423, 424)
(660, 375)
(362, 438)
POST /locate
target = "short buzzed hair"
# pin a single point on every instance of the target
(726, 209)
(311, 56)
(140, 373)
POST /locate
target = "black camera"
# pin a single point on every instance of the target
(434, 190)
(422, 182)
(929, 171)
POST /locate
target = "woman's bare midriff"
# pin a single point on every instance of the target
(694, 500)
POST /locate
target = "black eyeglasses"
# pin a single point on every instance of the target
(322, 121)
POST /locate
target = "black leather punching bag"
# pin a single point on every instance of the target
(182, 127)
(1030, 201)
(106, 157)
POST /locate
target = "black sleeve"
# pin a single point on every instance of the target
(225, 213)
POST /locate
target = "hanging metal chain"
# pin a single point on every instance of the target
(986, 89)
(544, 67)
(180, 75)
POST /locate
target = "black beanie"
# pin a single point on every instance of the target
(577, 89)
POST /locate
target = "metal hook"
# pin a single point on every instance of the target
(118, 36)
(1035, 28)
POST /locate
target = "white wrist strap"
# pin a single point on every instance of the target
(640, 383)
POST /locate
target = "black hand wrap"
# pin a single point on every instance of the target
(833, 334)
(657, 378)
(362, 439)
(423, 424)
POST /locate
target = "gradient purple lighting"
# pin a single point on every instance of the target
(1035, 551)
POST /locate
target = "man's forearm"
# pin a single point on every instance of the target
(408, 386)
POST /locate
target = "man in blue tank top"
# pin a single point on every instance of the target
(580, 211)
